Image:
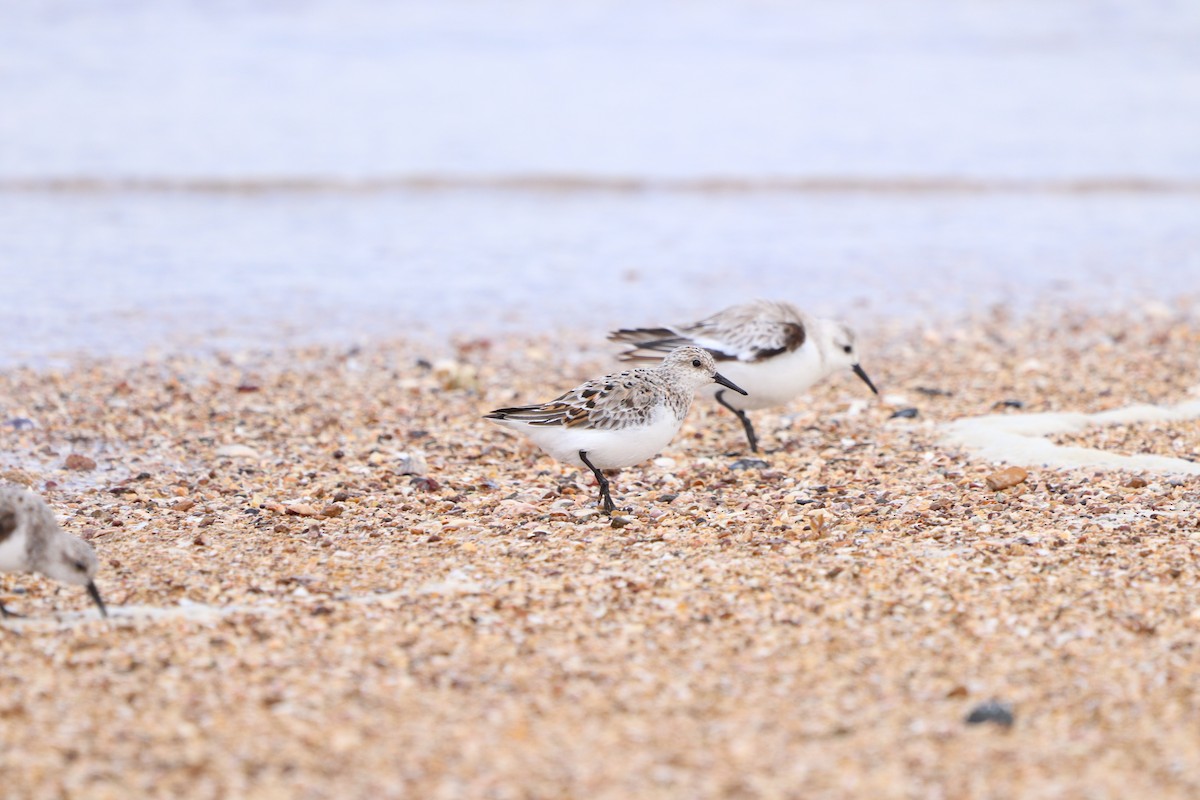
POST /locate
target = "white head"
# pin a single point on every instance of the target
(836, 343)
(694, 367)
(70, 560)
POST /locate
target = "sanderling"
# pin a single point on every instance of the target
(771, 348)
(618, 420)
(31, 541)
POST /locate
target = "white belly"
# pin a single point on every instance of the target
(606, 449)
(769, 383)
(12, 552)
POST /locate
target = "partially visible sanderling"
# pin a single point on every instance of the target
(619, 420)
(771, 348)
(32, 541)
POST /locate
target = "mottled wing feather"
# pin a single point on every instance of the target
(613, 401)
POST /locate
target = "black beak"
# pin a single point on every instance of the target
(859, 372)
(721, 379)
(95, 594)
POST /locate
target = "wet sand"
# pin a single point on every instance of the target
(330, 578)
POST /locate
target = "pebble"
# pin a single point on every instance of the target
(1006, 478)
(80, 463)
(904, 413)
(18, 476)
(749, 463)
(411, 463)
(236, 451)
(992, 711)
(456, 582)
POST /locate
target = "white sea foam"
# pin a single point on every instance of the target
(1021, 438)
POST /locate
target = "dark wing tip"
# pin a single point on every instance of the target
(641, 336)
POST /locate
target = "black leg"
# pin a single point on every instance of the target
(750, 437)
(605, 497)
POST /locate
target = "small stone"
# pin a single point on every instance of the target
(456, 375)
(992, 711)
(1011, 404)
(236, 451)
(183, 505)
(749, 463)
(80, 463)
(617, 521)
(1006, 478)
(904, 413)
(18, 476)
(1136, 483)
(331, 511)
(301, 510)
(207, 520)
(426, 484)
(411, 464)
(455, 583)
(20, 424)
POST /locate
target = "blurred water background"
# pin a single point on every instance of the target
(224, 174)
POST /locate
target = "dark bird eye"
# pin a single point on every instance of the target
(79, 565)
(847, 349)
(695, 362)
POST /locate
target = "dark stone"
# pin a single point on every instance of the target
(992, 711)
(749, 463)
(905, 413)
(425, 484)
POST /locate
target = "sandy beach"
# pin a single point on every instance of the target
(330, 578)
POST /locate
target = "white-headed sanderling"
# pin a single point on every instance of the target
(772, 349)
(31, 541)
(618, 420)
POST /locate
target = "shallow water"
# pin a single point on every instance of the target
(312, 172)
(124, 274)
